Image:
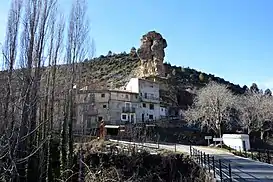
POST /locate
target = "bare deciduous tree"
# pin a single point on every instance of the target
(265, 117)
(77, 49)
(28, 105)
(26, 136)
(249, 109)
(256, 112)
(8, 124)
(212, 107)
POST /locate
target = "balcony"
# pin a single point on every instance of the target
(128, 109)
(149, 98)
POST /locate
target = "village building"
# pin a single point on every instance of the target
(149, 99)
(111, 106)
(137, 102)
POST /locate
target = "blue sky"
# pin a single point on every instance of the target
(232, 39)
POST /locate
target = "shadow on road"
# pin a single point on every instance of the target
(248, 170)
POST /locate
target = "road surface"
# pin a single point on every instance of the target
(243, 169)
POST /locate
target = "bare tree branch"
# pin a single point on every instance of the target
(212, 107)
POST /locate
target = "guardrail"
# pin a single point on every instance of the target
(262, 155)
(218, 167)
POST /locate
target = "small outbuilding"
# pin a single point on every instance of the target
(237, 141)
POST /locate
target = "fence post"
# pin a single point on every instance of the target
(194, 153)
(229, 172)
(201, 157)
(213, 166)
(197, 155)
(205, 159)
(190, 150)
(240, 150)
(220, 169)
(268, 157)
(252, 157)
(208, 162)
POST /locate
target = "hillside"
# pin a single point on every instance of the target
(177, 84)
(114, 71)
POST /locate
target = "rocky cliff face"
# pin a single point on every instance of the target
(151, 53)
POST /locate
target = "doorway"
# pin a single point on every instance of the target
(132, 118)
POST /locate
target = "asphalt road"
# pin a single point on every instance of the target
(242, 169)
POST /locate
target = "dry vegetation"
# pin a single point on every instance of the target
(97, 164)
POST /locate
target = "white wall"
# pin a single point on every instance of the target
(162, 111)
(133, 85)
(235, 141)
(147, 111)
(151, 89)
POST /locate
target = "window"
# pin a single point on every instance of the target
(126, 96)
(151, 117)
(104, 106)
(152, 107)
(102, 95)
(145, 95)
(132, 120)
(136, 96)
(100, 118)
(144, 105)
(124, 117)
(127, 104)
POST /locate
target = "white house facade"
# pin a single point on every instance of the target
(163, 111)
(149, 102)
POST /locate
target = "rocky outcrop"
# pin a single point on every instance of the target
(133, 52)
(151, 53)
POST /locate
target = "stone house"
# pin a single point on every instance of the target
(137, 102)
(112, 106)
(149, 102)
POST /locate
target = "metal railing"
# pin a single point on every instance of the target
(219, 167)
(128, 109)
(148, 97)
(262, 155)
